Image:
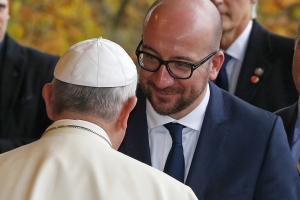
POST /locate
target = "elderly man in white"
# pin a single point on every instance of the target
(89, 101)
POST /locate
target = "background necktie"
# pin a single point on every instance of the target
(175, 166)
(222, 79)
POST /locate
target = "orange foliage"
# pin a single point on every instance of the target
(279, 16)
(53, 26)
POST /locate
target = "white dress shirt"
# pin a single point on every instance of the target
(161, 141)
(237, 51)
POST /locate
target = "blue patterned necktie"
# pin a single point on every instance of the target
(175, 166)
(222, 79)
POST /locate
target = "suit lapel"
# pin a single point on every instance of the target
(136, 141)
(210, 143)
(12, 75)
(256, 56)
(289, 119)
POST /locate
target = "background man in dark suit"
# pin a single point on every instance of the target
(259, 69)
(24, 72)
(223, 147)
(290, 115)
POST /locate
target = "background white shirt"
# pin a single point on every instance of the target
(237, 51)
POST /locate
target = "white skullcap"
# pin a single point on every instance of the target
(96, 63)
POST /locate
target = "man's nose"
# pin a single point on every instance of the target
(162, 78)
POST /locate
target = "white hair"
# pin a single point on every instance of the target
(105, 103)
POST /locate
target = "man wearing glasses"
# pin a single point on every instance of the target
(184, 125)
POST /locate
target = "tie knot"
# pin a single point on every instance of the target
(227, 56)
(175, 131)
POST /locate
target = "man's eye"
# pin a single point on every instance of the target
(182, 65)
(149, 57)
(2, 6)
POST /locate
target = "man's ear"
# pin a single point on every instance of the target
(217, 62)
(128, 107)
(47, 93)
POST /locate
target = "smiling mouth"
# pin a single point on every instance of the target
(163, 92)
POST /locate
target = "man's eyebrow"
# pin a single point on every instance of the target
(149, 48)
(185, 58)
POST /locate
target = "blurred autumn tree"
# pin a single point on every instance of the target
(53, 26)
(279, 16)
(122, 20)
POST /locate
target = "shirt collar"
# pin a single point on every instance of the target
(154, 119)
(85, 124)
(238, 48)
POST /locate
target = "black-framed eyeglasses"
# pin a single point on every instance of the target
(177, 69)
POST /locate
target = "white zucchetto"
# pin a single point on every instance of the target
(96, 62)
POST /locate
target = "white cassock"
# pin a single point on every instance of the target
(74, 160)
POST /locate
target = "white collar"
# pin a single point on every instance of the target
(192, 120)
(81, 124)
(238, 48)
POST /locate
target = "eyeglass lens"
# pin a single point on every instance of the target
(151, 63)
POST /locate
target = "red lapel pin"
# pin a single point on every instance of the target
(254, 79)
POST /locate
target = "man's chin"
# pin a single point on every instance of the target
(161, 105)
(163, 109)
(227, 24)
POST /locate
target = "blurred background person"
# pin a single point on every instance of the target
(258, 63)
(24, 72)
(89, 101)
(290, 115)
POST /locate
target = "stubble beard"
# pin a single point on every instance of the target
(163, 106)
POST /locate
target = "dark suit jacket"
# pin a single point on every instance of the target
(242, 151)
(24, 72)
(274, 54)
(289, 117)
